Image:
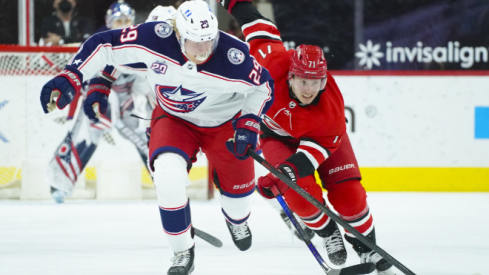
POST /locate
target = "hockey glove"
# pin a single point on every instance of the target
(61, 90)
(229, 4)
(97, 98)
(246, 132)
(266, 182)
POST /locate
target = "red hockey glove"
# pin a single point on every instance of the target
(60, 91)
(246, 132)
(266, 182)
(97, 96)
(229, 4)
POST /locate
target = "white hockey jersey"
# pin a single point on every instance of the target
(206, 95)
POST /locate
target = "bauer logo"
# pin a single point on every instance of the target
(372, 55)
(244, 186)
(163, 30)
(341, 168)
(236, 56)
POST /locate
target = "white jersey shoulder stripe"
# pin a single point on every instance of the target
(262, 33)
(258, 21)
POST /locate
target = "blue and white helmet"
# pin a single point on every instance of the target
(196, 22)
(120, 15)
(161, 13)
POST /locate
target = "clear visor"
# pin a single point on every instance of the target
(199, 50)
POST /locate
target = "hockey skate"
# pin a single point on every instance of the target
(289, 224)
(241, 235)
(58, 195)
(333, 242)
(383, 267)
(183, 262)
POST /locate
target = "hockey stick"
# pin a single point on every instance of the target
(328, 212)
(207, 237)
(351, 270)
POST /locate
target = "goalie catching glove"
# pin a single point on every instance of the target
(61, 90)
(97, 98)
(246, 132)
(266, 182)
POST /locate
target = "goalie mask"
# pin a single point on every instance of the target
(119, 15)
(197, 30)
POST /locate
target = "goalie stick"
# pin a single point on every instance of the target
(328, 212)
(366, 268)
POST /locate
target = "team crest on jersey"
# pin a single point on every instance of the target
(178, 99)
(236, 56)
(163, 30)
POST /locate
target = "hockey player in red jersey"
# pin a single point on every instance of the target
(304, 131)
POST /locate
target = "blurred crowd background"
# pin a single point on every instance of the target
(400, 34)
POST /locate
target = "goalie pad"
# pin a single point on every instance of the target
(74, 152)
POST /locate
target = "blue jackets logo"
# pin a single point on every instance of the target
(178, 99)
(163, 30)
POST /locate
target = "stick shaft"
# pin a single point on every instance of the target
(330, 213)
(304, 236)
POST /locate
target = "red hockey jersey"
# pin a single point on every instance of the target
(316, 128)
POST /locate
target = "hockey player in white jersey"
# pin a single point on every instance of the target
(209, 89)
(131, 94)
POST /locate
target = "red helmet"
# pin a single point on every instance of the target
(308, 62)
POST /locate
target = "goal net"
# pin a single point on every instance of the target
(29, 138)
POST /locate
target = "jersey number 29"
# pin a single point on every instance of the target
(256, 72)
(130, 35)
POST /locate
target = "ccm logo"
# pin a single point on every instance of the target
(244, 186)
(341, 168)
(253, 124)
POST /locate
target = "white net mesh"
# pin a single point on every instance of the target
(18, 60)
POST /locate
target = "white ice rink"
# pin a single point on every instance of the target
(431, 233)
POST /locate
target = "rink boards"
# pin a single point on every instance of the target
(409, 133)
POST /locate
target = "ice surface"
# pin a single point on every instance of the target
(431, 233)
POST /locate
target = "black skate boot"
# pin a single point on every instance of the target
(291, 227)
(383, 267)
(241, 235)
(183, 262)
(368, 256)
(333, 242)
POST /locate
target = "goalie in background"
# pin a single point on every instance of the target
(131, 94)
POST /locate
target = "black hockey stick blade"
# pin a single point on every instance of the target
(208, 237)
(354, 270)
(303, 193)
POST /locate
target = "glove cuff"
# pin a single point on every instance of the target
(289, 170)
(249, 122)
(99, 85)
